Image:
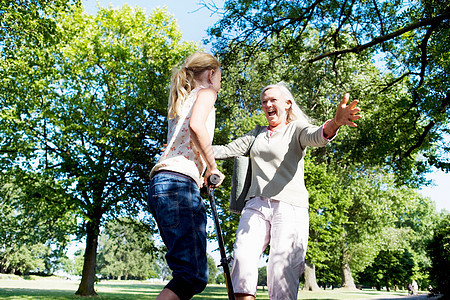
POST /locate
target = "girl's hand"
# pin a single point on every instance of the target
(216, 172)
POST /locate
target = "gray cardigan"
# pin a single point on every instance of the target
(277, 161)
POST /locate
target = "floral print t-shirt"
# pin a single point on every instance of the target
(181, 155)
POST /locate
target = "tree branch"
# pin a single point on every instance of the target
(389, 84)
(384, 38)
(444, 105)
(423, 48)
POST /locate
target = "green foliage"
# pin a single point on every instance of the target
(355, 190)
(262, 276)
(220, 279)
(212, 269)
(322, 48)
(126, 251)
(328, 205)
(30, 24)
(26, 258)
(419, 220)
(439, 251)
(73, 266)
(89, 108)
(36, 213)
(389, 269)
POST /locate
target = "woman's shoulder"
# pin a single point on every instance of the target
(300, 123)
(258, 129)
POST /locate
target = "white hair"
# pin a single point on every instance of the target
(294, 112)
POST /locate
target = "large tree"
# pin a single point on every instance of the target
(328, 206)
(37, 216)
(126, 250)
(409, 38)
(323, 49)
(89, 110)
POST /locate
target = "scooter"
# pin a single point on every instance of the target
(224, 261)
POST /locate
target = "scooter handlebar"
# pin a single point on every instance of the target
(213, 179)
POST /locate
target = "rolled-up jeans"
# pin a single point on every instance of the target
(286, 227)
(175, 202)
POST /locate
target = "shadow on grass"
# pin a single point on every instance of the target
(38, 294)
(106, 290)
(113, 290)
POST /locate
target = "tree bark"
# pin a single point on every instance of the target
(310, 278)
(346, 276)
(86, 287)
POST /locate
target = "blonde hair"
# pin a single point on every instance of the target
(182, 81)
(294, 112)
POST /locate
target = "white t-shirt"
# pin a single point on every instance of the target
(181, 155)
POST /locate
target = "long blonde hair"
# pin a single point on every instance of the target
(294, 112)
(182, 81)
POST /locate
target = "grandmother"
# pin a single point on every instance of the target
(276, 207)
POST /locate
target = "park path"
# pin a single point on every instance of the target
(409, 297)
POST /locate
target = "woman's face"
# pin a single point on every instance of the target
(275, 108)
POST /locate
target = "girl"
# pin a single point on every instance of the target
(174, 195)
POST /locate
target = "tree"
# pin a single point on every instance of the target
(24, 259)
(33, 234)
(164, 272)
(27, 25)
(419, 220)
(323, 49)
(376, 202)
(310, 277)
(262, 276)
(126, 251)
(220, 279)
(413, 44)
(73, 266)
(327, 215)
(315, 90)
(439, 251)
(90, 111)
(389, 269)
(212, 269)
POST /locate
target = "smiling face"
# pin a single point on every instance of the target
(275, 107)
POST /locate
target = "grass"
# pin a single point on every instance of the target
(39, 289)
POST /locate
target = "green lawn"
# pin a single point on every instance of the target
(39, 289)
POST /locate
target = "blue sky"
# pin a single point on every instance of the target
(194, 19)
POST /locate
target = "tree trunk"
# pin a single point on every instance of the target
(346, 276)
(86, 287)
(310, 278)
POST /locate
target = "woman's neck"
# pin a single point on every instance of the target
(277, 127)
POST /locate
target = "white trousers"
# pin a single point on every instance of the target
(286, 228)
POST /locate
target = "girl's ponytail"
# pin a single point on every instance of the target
(182, 81)
(182, 84)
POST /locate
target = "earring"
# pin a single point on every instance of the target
(211, 85)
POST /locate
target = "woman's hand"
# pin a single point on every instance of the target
(345, 115)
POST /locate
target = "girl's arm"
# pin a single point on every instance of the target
(199, 133)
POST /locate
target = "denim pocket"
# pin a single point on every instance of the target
(167, 209)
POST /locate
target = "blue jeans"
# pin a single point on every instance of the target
(175, 202)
